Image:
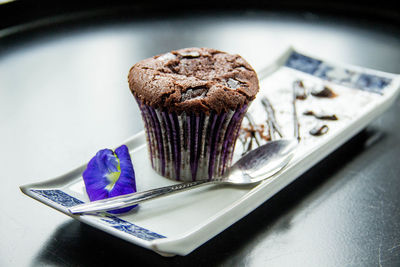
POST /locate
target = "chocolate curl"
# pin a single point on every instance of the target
(295, 117)
(271, 120)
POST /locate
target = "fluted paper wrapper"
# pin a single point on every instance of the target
(189, 146)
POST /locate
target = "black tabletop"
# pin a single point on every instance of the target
(64, 95)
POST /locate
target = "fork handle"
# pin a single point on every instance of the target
(134, 198)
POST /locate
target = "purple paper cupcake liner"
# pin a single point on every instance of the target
(190, 146)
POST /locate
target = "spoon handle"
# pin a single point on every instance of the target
(134, 198)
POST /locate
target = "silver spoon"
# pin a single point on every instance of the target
(257, 165)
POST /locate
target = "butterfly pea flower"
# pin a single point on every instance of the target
(110, 174)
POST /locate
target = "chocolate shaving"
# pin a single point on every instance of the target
(262, 135)
(299, 90)
(319, 130)
(295, 117)
(252, 127)
(271, 120)
(327, 117)
(251, 134)
(325, 91)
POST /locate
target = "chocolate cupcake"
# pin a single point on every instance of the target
(192, 102)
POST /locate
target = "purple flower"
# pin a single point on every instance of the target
(110, 174)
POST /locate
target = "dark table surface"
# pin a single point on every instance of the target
(64, 95)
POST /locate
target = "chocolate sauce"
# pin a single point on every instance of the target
(324, 91)
(328, 117)
(319, 130)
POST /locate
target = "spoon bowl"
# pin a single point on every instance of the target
(262, 162)
(257, 165)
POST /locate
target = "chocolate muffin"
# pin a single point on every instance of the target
(192, 102)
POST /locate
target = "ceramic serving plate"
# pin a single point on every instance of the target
(178, 224)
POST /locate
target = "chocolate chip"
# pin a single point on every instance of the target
(167, 56)
(190, 54)
(232, 83)
(194, 93)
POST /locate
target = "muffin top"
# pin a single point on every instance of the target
(194, 80)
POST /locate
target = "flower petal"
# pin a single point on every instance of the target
(110, 174)
(126, 183)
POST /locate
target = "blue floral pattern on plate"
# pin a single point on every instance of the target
(130, 228)
(59, 197)
(66, 200)
(336, 74)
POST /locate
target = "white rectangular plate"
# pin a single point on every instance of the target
(178, 224)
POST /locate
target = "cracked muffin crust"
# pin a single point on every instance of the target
(194, 80)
